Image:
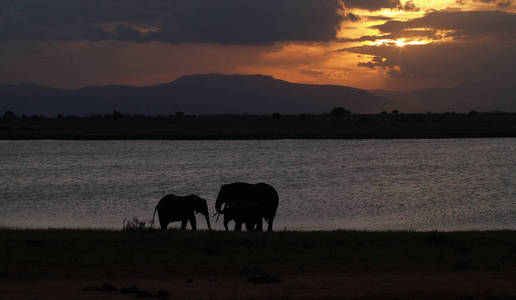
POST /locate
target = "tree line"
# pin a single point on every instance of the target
(335, 113)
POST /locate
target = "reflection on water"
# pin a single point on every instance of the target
(449, 184)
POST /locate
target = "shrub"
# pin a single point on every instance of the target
(134, 224)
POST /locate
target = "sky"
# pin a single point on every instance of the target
(369, 44)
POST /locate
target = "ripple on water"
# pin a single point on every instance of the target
(446, 184)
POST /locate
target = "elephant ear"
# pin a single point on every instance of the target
(199, 203)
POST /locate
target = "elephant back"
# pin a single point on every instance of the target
(241, 192)
(175, 204)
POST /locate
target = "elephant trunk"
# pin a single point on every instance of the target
(218, 204)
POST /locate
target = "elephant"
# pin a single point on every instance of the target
(173, 208)
(249, 213)
(240, 192)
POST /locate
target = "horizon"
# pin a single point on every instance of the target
(391, 45)
(221, 93)
(211, 74)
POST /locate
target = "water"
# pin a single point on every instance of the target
(448, 184)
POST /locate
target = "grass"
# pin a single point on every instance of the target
(92, 264)
(32, 254)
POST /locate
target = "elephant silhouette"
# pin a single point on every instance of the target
(238, 193)
(172, 208)
(249, 213)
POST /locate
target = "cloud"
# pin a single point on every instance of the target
(353, 17)
(482, 47)
(378, 18)
(311, 72)
(452, 61)
(373, 5)
(410, 6)
(498, 3)
(461, 23)
(229, 22)
(13, 25)
(438, 25)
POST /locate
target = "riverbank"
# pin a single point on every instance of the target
(92, 264)
(386, 126)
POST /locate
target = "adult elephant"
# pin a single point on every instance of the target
(172, 208)
(240, 192)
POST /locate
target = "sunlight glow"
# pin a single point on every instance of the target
(399, 42)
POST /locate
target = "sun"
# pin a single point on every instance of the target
(404, 42)
(398, 43)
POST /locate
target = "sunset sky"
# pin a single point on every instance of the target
(384, 44)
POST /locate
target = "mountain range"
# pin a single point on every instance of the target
(479, 96)
(239, 94)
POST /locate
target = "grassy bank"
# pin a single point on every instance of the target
(265, 127)
(274, 265)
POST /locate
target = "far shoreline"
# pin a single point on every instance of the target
(283, 231)
(263, 127)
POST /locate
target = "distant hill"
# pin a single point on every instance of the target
(465, 97)
(194, 94)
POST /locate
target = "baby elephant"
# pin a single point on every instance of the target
(173, 208)
(249, 213)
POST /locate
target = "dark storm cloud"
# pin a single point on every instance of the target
(465, 60)
(432, 34)
(173, 21)
(441, 24)
(252, 22)
(462, 23)
(373, 5)
(499, 3)
(353, 17)
(410, 6)
(378, 18)
(483, 47)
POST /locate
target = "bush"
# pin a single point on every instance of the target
(339, 112)
(134, 224)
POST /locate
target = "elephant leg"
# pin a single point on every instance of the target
(269, 224)
(183, 223)
(226, 224)
(238, 226)
(249, 226)
(193, 222)
(259, 225)
(163, 224)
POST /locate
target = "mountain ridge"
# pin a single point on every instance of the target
(192, 94)
(464, 97)
(254, 94)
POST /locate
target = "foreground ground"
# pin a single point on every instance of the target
(265, 127)
(84, 264)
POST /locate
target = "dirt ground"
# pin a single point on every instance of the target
(449, 285)
(74, 264)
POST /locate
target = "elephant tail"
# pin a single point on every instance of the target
(155, 209)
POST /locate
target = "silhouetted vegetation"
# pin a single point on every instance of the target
(338, 124)
(339, 112)
(135, 224)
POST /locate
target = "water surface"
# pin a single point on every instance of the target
(443, 184)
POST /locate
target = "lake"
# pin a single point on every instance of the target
(434, 184)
